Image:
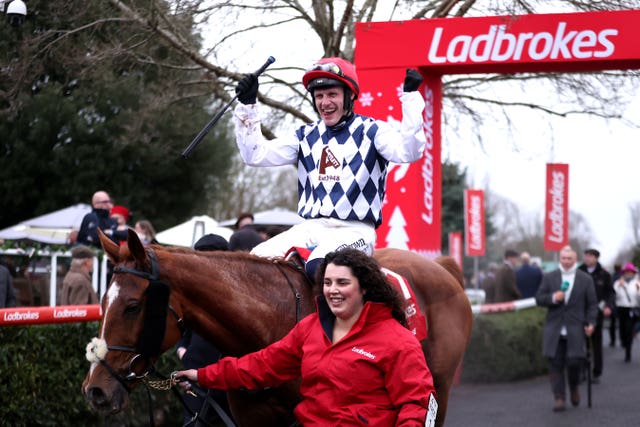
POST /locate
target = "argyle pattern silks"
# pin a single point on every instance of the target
(354, 190)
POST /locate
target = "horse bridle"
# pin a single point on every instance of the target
(132, 375)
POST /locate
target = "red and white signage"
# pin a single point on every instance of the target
(411, 210)
(48, 315)
(474, 227)
(505, 44)
(556, 213)
(455, 246)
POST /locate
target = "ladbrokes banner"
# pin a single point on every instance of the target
(474, 227)
(556, 213)
(412, 205)
(455, 246)
(500, 44)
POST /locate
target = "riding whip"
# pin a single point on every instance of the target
(205, 130)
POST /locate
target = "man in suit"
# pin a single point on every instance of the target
(505, 280)
(570, 296)
(606, 297)
(528, 276)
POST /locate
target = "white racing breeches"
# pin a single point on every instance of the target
(321, 236)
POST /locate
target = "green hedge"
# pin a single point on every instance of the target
(41, 373)
(505, 347)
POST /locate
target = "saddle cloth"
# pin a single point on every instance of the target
(416, 321)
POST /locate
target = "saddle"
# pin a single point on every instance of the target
(416, 321)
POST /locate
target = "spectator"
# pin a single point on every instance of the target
(570, 298)
(617, 272)
(76, 286)
(196, 352)
(505, 280)
(488, 283)
(99, 218)
(357, 362)
(244, 219)
(605, 296)
(528, 277)
(245, 239)
(342, 159)
(7, 292)
(121, 215)
(627, 289)
(145, 231)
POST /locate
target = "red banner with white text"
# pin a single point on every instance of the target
(49, 315)
(411, 210)
(474, 223)
(556, 213)
(455, 246)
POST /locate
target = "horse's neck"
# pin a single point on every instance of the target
(238, 303)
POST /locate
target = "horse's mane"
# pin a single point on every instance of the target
(234, 255)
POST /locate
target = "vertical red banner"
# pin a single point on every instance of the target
(411, 210)
(556, 213)
(474, 226)
(455, 246)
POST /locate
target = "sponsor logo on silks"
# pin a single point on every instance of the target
(358, 244)
(499, 45)
(432, 411)
(363, 352)
(328, 160)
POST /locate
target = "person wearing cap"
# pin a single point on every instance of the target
(570, 298)
(76, 286)
(606, 297)
(99, 218)
(627, 289)
(505, 280)
(121, 215)
(342, 158)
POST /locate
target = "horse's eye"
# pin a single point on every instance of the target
(133, 308)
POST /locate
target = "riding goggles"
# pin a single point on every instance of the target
(329, 67)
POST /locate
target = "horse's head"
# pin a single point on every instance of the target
(138, 324)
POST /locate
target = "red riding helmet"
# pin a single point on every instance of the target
(331, 71)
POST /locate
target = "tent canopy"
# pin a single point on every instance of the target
(188, 233)
(277, 216)
(52, 228)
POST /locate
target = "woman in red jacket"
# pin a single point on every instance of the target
(358, 364)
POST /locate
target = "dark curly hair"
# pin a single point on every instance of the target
(367, 270)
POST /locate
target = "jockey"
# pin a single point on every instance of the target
(342, 159)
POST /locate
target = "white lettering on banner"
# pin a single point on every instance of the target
(17, 316)
(475, 226)
(66, 313)
(499, 46)
(556, 215)
(427, 165)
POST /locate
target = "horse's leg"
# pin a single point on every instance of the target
(449, 328)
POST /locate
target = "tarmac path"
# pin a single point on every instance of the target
(615, 400)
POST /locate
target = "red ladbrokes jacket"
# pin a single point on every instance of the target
(376, 375)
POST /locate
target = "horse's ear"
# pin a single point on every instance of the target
(110, 247)
(135, 247)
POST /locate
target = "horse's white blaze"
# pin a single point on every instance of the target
(112, 294)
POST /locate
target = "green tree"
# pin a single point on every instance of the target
(105, 107)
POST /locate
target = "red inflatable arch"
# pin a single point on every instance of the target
(568, 42)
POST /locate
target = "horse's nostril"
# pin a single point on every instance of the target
(97, 397)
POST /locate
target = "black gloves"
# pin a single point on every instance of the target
(412, 80)
(247, 89)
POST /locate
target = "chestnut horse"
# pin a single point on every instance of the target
(242, 303)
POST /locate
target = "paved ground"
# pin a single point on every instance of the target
(615, 401)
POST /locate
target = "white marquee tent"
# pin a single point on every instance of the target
(52, 228)
(277, 216)
(188, 233)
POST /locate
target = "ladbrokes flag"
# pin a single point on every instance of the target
(556, 213)
(474, 228)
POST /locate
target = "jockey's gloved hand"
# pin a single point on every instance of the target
(412, 80)
(247, 89)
